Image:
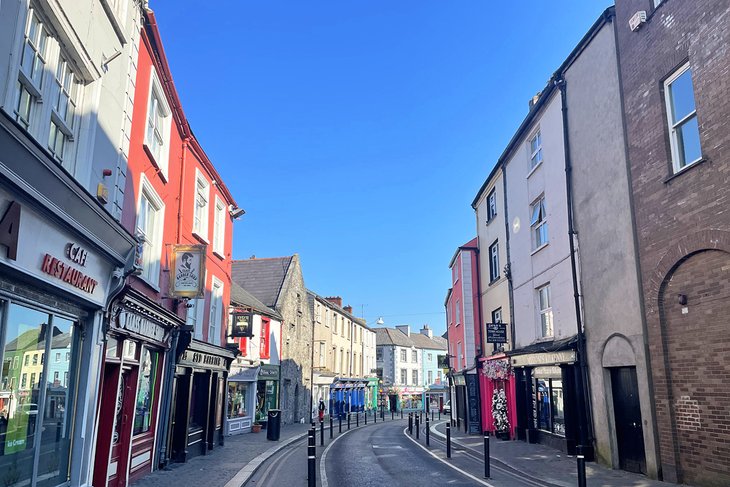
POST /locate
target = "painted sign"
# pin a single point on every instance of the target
(140, 325)
(472, 393)
(200, 359)
(10, 229)
(188, 263)
(545, 358)
(496, 332)
(269, 372)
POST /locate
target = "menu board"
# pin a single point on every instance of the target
(475, 425)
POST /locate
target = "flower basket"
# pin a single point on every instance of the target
(497, 369)
(499, 413)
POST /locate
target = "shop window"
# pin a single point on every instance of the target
(146, 391)
(265, 351)
(549, 405)
(27, 411)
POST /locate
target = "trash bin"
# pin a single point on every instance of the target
(273, 428)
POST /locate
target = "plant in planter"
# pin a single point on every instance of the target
(256, 427)
(499, 412)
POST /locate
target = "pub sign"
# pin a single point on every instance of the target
(242, 325)
(496, 332)
(188, 262)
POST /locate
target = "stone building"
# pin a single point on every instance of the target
(278, 283)
(674, 72)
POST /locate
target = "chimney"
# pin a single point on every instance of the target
(427, 331)
(534, 99)
(406, 329)
(348, 309)
(335, 300)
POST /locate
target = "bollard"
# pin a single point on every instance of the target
(486, 455)
(340, 416)
(392, 414)
(375, 416)
(332, 428)
(321, 432)
(432, 415)
(357, 419)
(348, 421)
(581, 467)
(311, 437)
(410, 424)
(418, 426)
(382, 412)
(311, 466)
(448, 441)
(401, 414)
(366, 417)
(439, 414)
(428, 438)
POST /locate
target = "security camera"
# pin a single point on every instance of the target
(236, 213)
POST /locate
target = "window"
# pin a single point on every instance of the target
(32, 381)
(684, 133)
(404, 377)
(454, 273)
(430, 377)
(194, 317)
(404, 355)
(430, 357)
(64, 111)
(494, 262)
(342, 361)
(322, 355)
(265, 343)
(549, 405)
(497, 315)
(414, 356)
(414, 374)
(538, 224)
(491, 205)
(158, 124)
(68, 355)
(237, 399)
(58, 357)
(149, 230)
(35, 359)
(458, 312)
(24, 381)
(32, 67)
(200, 214)
(546, 311)
(219, 227)
(458, 356)
(146, 391)
(379, 354)
(55, 376)
(216, 311)
(535, 150)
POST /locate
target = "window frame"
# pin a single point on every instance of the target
(215, 317)
(161, 159)
(676, 152)
(492, 205)
(545, 312)
(200, 225)
(537, 224)
(494, 262)
(219, 227)
(535, 135)
(147, 191)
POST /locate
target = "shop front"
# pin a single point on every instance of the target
(411, 399)
(347, 395)
(321, 392)
(199, 399)
(547, 398)
(54, 280)
(267, 392)
(241, 399)
(371, 393)
(136, 350)
(435, 397)
(497, 388)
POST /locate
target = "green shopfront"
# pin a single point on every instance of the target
(267, 391)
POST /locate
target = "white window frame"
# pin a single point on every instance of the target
(157, 132)
(494, 261)
(535, 154)
(219, 227)
(200, 222)
(414, 376)
(675, 126)
(194, 317)
(545, 323)
(151, 275)
(497, 315)
(403, 355)
(538, 224)
(458, 313)
(216, 312)
(322, 354)
(404, 376)
(430, 377)
(491, 205)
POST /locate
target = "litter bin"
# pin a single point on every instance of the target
(273, 428)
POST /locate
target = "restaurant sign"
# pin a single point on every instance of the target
(545, 358)
(200, 359)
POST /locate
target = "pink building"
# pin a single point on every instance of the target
(463, 320)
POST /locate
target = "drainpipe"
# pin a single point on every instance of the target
(482, 345)
(508, 270)
(584, 426)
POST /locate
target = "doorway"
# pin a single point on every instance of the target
(627, 415)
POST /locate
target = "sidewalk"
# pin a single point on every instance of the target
(546, 464)
(223, 463)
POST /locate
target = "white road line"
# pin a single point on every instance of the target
(323, 458)
(467, 474)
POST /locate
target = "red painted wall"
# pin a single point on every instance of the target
(459, 329)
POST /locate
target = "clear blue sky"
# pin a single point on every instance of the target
(357, 133)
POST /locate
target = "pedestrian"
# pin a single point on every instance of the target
(321, 410)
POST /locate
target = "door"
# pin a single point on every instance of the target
(627, 411)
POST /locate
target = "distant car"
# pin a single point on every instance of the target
(447, 407)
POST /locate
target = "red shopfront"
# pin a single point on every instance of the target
(496, 377)
(137, 347)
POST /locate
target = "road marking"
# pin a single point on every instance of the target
(463, 472)
(323, 458)
(394, 447)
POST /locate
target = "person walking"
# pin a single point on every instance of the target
(321, 410)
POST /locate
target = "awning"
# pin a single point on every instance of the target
(247, 374)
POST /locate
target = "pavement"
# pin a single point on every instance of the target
(545, 464)
(235, 459)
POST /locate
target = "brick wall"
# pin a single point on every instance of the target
(677, 218)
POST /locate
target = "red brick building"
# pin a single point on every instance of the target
(674, 69)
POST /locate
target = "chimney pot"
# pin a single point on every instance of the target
(348, 309)
(335, 300)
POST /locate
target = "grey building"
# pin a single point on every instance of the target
(278, 283)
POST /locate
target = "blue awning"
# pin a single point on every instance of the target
(247, 374)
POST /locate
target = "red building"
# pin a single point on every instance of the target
(463, 319)
(165, 361)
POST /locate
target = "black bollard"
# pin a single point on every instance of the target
(375, 415)
(581, 467)
(410, 424)
(357, 419)
(311, 460)
(392, 414)
(382, 412)
(448, 441)
(340, 416)
(401, 414)
(428, 428)
(332, 428)
(418, 426)
(439, 414)
(311, 437)
(366, 417)
(348, 421)
(321, 432)
(486, 455)
(432, 415)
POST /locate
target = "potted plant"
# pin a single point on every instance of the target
(499, 413)
(256, 427)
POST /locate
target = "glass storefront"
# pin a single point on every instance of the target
(39, 365)
(146, 386)
(267, 393)
(237, 399)
(411, 401)
(548, 393)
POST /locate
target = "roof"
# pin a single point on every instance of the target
(422, 341)
(262, 278)
(311, 295)
(472, 244)
(241, 297)
(569, 343)
(392, 336)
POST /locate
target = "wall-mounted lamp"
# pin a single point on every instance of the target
(236, 212)
(682, 299)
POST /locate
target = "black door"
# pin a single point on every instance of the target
(629, 433)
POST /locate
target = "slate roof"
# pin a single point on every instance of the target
(392, 336)
(262, 278)
(311, 296)
(241, 297)
(422, 341)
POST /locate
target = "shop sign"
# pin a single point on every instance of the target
(472, 393)
(188, 262)
(545, 358)
(269, 372)
(200, 359)
(140, 325)
(10, 229)
(496, 332)
(547, 372)
(459, 380)
(242, 325)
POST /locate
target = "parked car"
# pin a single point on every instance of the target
(447, 407)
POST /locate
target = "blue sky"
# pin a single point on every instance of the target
(357, 133)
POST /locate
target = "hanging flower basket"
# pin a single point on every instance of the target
(499, 413)
(497, 369)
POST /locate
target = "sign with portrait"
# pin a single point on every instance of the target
(188, 263)
(242, 325)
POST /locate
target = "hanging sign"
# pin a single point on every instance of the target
(188, 263)
(496, 332)
(242, 325)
